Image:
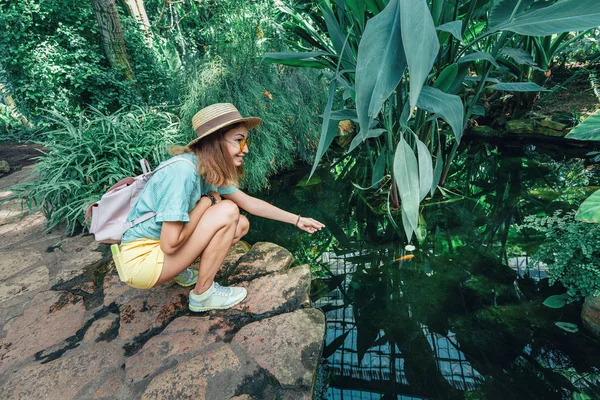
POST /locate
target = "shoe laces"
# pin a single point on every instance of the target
(219, 290)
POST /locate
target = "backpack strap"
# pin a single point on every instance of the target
(148, 173)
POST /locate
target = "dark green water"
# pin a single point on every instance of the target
(463, 318)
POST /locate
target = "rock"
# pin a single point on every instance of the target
(519, 126)
(217, 373)
(152, 309)
(13, 262)
(50, 318)
(264, 258)
(288, 291)
(64, 377)
(4, 167)
(25, 283)
(77, 251)
(235, 253)
(109, 388)
(100, 327)
(590, 314)
(116, 291)
(540, 130)
(288, 346)
(183, 338)
(486, 131)
(557, 126)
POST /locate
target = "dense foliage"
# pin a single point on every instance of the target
(571, 252)
(52, 58)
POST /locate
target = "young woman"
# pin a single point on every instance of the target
(197, 206)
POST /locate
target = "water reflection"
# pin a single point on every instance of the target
(463, 318)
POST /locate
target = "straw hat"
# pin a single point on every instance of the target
(214, 117)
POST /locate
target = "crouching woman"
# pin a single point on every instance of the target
(197, 205)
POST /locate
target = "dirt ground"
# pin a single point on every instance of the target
(577, 95)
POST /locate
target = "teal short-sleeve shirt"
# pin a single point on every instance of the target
(171, 193)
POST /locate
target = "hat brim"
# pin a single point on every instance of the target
(250, 123)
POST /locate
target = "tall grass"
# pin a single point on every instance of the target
(81, 161)
(289, 100)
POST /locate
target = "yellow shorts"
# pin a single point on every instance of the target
(142, 262)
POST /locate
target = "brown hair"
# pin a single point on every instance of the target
(214, 162)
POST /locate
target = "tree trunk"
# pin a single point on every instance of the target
(138, 11)
(112, 35)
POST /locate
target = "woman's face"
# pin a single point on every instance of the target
(234, 138)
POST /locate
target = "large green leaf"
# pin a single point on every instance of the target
(337, 36)
(297, 59)
(589, 210)
(421, 44)
(479, 55)
(327, 133)
(562, 16)
(518, 87)
(589, 129)
(454, 27)
(425, 169)
(446, 77)
(556, 301)
(380, 64)
(448, 106)
(567, 326)
(503, 10)
(406, 174)
(521, 57)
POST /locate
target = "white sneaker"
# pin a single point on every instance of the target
(217, 297)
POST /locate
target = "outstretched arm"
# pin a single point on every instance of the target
(261, 208)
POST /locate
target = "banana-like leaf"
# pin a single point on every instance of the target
(420, 41)
(379, 168)
(454, 27)
(502, 11)
(518, 87)
(479, 55)
(589, 129)
(406, 174)
(338, 39)
(408, 229)
(361, 137)
(327, 134)
(425, 169)
(448, 106)
(341, 115)
(446, 78)
(521, 57)
(562, 16)
(589, 210)
(297, 59)
(380, 64)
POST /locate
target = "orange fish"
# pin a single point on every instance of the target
(406, 257)
(269, 95)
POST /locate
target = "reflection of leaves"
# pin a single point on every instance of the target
(335, 344)
(556, 301)
(567, 326)
(335, 229)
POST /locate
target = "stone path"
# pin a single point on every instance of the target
(69, 329)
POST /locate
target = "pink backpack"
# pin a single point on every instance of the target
(109, 214)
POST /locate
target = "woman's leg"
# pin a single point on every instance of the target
(212, 238)
(242, 229)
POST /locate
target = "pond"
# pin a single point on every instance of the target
(460, 316)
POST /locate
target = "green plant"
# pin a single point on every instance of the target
(571, 252)
(82, 160)
(52, 58)
(412, 65)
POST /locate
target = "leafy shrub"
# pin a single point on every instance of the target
(83, 160)
(571, 252)
(52, 57)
